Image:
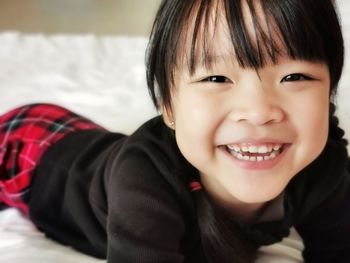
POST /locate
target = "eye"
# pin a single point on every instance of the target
(295, 77)
(216, 79)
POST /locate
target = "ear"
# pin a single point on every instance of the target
(168, 117)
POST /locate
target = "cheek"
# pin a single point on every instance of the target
(196, 120)
(311, 119)
(196, 113)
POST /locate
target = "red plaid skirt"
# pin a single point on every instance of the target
(25, 134)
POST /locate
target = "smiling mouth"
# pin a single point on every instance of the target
(253, 153)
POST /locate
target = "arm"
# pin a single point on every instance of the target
(111, 203)
(145, 221)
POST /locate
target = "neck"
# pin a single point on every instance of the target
(244, 213)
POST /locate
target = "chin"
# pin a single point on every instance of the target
(258, 196)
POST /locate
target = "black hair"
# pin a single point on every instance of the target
(308, 30)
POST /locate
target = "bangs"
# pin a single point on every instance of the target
(279, 28)
(259, 32)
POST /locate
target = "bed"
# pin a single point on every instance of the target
(102, 78)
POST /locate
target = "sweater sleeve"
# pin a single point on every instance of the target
(112, 196)
(325, 227)
(144, 219)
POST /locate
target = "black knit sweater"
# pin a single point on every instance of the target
(126, 198)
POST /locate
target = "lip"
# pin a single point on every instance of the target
(263, 165)
(257, 142)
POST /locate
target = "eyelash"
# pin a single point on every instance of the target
(216, 79)
(300, 77)
(289, 78)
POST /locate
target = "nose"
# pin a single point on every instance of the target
(258, 108)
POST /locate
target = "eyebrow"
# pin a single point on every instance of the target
(208, 60)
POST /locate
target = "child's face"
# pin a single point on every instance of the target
(224, 116)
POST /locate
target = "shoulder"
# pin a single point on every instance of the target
(325, 181)
(149, 164)
(152, 147)
(321, 206)
(147, 191)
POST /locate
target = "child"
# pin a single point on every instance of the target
(247, 145)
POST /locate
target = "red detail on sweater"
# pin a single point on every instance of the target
(195, 186)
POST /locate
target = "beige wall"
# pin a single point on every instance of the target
(102, 17)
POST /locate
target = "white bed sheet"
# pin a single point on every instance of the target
(102, 78)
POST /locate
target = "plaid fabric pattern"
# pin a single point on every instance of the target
(25, 134)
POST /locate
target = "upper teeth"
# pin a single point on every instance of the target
(255, 149)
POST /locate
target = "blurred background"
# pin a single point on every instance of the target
(100, 17)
